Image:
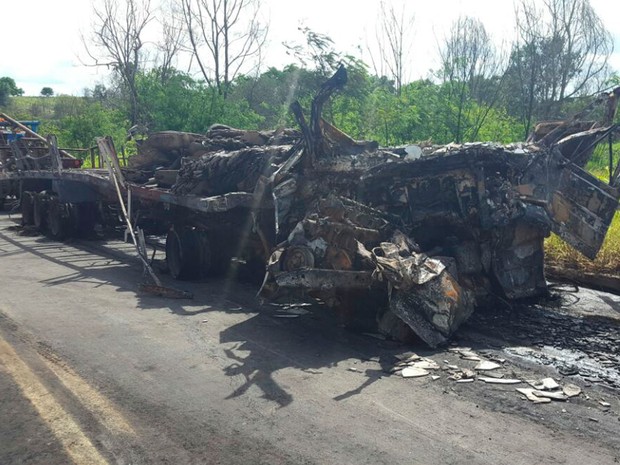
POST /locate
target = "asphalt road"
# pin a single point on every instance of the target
(93, 372)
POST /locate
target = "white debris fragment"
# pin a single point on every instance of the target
(465, 380)
(425, 364)
(295, 310)
(459, 349)
(414, 372)
(546, 384)
(604, 404)
(499, 380)
(487, 365)
(571, 390)
(467, 373)
(469, 355)
(529, 394)
(555, 395)
(413, 152)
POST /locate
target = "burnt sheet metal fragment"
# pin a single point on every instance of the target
(424, 294)
(433, 310)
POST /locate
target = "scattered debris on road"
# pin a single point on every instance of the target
(484, 370)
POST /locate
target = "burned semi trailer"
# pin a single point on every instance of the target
(419, 234)
(428, 232)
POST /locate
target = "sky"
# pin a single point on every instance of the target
(46, 47)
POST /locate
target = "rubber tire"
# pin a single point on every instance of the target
(58, 227)
(27, 208)
(85, 218)
(188, 253)
(40, 211)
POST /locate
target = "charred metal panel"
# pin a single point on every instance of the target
(518, 262)
(581, 209)
(74, 191)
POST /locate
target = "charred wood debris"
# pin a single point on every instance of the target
(421, 233)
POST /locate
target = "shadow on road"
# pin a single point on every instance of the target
(313, 341)
(310, 343)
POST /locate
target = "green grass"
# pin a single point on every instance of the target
(32, 107)
(559, 254)
(599, 163)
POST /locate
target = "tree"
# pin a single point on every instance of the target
(47, 92)
(186, 104)
(8, 88)
(223, 36)
(469, 61)
(394, 40)
(118, 37)
(316, 52)
(562, 52)
(171, 43)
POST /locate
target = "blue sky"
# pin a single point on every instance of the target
(47, 49)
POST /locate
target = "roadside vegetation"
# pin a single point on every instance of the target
(561, 255)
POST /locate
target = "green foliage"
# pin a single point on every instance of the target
(369, 107)
(80, 121)
(183, 104)
(270, 94)
(316, 52)
(9, 84)
(614, 80)
(423, 111)
(8, 88)
(47, 92)
(599, 163)
(80, 130)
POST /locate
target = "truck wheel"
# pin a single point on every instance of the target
(58, 225)
(40, 210)
(85, 218)
(27, 207)
(188, 253)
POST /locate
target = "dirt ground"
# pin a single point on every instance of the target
(92, 371)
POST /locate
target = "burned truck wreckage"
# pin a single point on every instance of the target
(420, 234)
